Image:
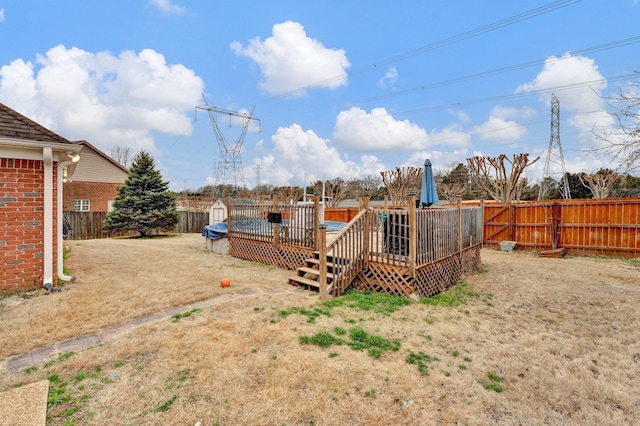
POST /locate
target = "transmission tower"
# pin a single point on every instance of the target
(555, 173)
(258, 172)
(230, 173)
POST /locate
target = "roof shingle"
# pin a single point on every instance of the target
(16, 126)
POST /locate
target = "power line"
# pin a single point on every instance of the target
(481, 30)
(436, 45)
(509, 96)
(598, 48)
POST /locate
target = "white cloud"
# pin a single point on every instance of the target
(462, 116)
(585, 103)
(291, 62)
(17, 85)
(107, 100)
(376, 131)
(371, 166)
(300, 156)
(439, 159)
(167, 7)
(565, 72)
(2, 15)
(389, 79)
(450, 136)
(358, 130)
(499, 128)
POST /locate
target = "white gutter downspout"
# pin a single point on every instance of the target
(59, 219)
(47, 159)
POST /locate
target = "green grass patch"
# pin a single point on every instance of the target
(369, 301)
(311, 314)
(325, 339)
(178, 381)
(178, 317)
(358, 340)
(58, 393)
(30, 369)
(421, 360)
(61, 357)
(165, 405)
(493, 383)
(458, 295)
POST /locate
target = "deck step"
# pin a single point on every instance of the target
(303, 270)
(330, 266)
(296, 280)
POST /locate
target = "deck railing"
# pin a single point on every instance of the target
(439, 233)
(277, 222)
(376, 248)
(344, 255)
(404, 237)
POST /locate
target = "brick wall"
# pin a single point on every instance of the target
(22, 224)
(98, 192)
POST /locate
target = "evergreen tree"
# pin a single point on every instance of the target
(143, 203)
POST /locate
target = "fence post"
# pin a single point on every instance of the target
(322, 279)
(228, 200)
(483, 224)
(316, 221)
(367, 227)
(459, 202)
(512, 218)
(413, 235)
(274, 207)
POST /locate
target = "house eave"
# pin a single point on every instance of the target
(32, 150)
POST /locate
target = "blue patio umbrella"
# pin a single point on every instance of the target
(428, 193)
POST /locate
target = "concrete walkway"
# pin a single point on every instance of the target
(40, 356)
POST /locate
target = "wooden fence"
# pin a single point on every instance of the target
(340, 214)
(88, 225)
(609, 226)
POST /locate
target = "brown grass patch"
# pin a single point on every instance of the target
(559, 336)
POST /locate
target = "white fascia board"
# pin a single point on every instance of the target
(32, 150)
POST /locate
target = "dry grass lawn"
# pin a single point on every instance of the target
(535, 341)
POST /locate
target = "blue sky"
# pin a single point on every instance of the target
(342, 88)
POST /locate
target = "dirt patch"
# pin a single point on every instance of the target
(537, 341)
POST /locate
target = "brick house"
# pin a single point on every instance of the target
(32, 162)
(95, 181)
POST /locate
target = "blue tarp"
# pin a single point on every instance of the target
(215, 231)
(220, 230)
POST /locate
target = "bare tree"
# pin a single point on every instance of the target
(289, 194)
(400, 182)
(335, 191)
(491, 174)
(451, 191)
(123, 155)
(601, 183)
(623, 143)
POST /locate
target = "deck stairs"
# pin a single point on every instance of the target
(345, 258)
(309, 274)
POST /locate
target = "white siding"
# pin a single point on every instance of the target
(93, 167)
